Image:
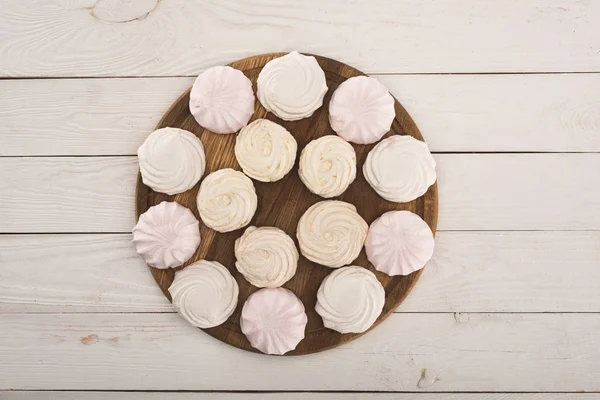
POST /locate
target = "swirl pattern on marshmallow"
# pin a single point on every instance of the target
(266, 256)
(350, 299)
(399, 243)
(167, 235)
(331, 233)
(171, 160)
(400, 168)
(265, 150)
(222, 100)
(226, 200)
(204, 293)
(273, 320)
(327, 166)
(361, 110)
(292, 87)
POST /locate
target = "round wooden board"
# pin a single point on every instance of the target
(282, 203)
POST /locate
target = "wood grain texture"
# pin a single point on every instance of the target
(469, 272)
(486, 113)
(181, 37)
(47, 194)
(282, 203)
(24, 395)
(408, 352)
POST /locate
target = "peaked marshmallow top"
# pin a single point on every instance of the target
(204, 293)
(350, 299)
(166, 235)
(292, 87)
(266, 256)
(361, 110)
(171, 160)
(273, 320)
(331, 233)
(265, 150)
(327, 166)
(400, 168)
(222, 100)
(399, 243)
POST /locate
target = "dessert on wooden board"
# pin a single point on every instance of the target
(162, 171)
(266, 256)
(167, 235)
(399, 243)
(331, 233)
(273, 320)
(327, 166)
(361, 110)
(204, 293)
(331, 290)
(226, 200)
(266, 151)
(222, 100)
(292, 87)
(400, 168)
(350, 299)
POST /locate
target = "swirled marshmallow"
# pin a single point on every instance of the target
(400, 168)
(399, 243)
(204, 293)
(327, 166)
(350, 299)
(167, 235)
(171, 160)
(266, 256)
(222, 100)
(331, 233)
(226, 200)
(292, 87)
(361, 110)
(273, 320)
(265, 150)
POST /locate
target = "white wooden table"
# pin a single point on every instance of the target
(507, 94)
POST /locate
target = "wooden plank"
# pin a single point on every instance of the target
(24, 395)
(409, 352)
(454, 112)
(104, 38)
(82, 116)
(477, 192)
(470, 272)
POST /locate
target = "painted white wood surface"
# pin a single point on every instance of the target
(181, 37)
(454, 112)
(477, 192)
(293, 396)
(408, 352)
(470, 272)
(519, 232)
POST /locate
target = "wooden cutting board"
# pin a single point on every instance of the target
(282, 203)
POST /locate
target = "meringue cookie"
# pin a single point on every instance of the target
(266, 256)
(273, 320)
(171, 160)
(292, 87)
(361, 110)
(204, 293)
(265, 150)
(400, 168)
(327, 166)
(222, 100)
(167, 235)
(399, 243)
(350, 299)
(331, 233)
(226, 200)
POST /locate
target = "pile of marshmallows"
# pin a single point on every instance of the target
(330, 233)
